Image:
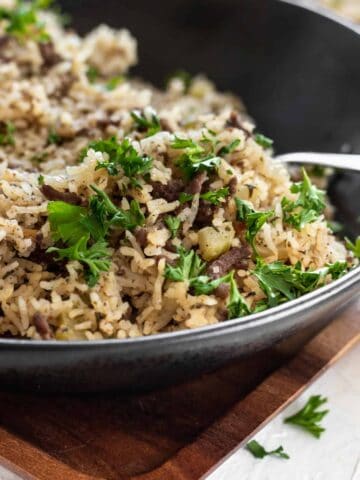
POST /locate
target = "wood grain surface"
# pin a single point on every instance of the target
(178, 433)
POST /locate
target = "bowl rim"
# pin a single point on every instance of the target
(270, 316)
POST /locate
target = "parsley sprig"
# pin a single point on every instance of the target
(307, 208)
(122, 157)
(22, 21)
(212, 196)
(146, 121)
(82, 232)
(282, 282)
(173, 224)
(237, 306)
(7, 130)
(188, 267)
(194, 158)
(263, 141)
(254, 220)
(309, 417)
(354, 246)
(258, 451)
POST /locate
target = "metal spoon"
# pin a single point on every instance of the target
(335, 160)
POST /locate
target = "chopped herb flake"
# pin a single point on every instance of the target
(258, 451)
(354, 246)
(310, 416)
(147, 121)
(307, 208)
(7, 130)
(173, 224)
(254, 220)
(263, 141)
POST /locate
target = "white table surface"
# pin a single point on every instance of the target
(335, 456)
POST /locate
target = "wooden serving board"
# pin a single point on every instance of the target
(178, 433)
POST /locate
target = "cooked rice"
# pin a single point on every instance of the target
(133, 298)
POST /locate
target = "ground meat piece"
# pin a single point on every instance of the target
(222, 291)
(141, 236)
(170, 246)
(205, 213)
(232, 186)
(235, 121)
(49, 55)
(52, 194)
(170, 192)
(237, 257)
(222, 314)
(196, 184)
(42, 326)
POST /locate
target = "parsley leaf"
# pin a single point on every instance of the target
(22, 20)
(7, 131)
(121, 156)
(108, 215)
(53, 137)
(188, 267)
(354, 246)
(82, 230)
(146, 121)
(212, 196)
(203, 285)
(215, 196)
(173, 224)
(96, 258)
(229, 148)
(237, 307)
(308, 206)
(282, 282)
(263, 141)
(253, 220)
(114, 82)
(258, 451)
(92, 74)
(194, 159)
(310, 416)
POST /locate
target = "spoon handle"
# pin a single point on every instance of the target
(335, 160)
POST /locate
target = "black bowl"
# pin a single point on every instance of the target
(298, 73)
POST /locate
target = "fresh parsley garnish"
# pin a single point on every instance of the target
(92, 74)
(147, 121)
(307, 208)
(254, 220)
(173, 224)
(215, 196)
(121, 157)
(189, 266)
(282, 282)
(310, 416)
(7, 130)
(354, 246)
(194, 158)
(212, 196)
(203, 285)
(263, 141)
(237, 306)
(22, 20)
(95, 258)
(82, 231)
(258, 451)
(53, 137)
(229, 148)
(114, 82)
(111, 216)
(41, 180)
